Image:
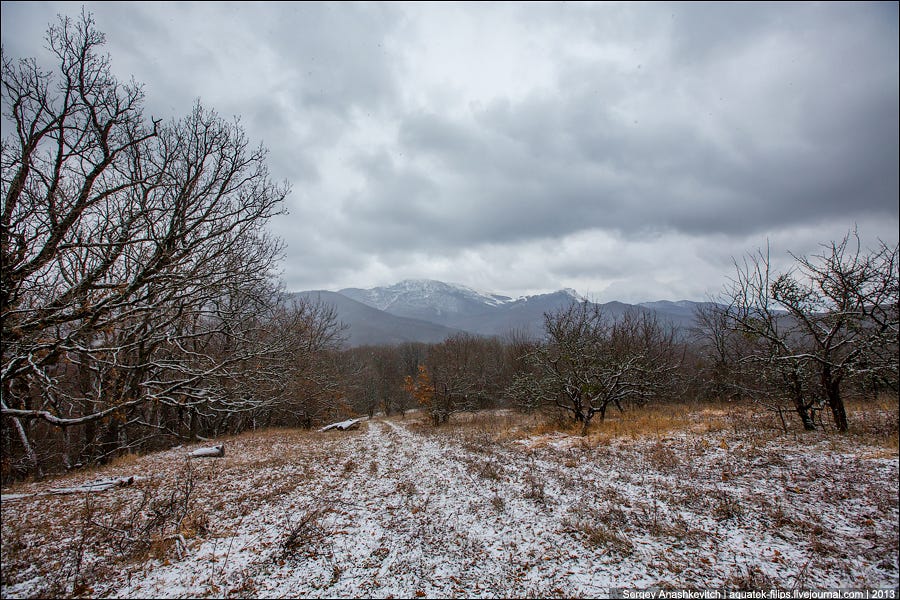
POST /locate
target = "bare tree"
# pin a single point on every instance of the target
(844, 303)
(719, 360)
(314, 374)
(136, 267)
(757, 353)
(590, 363)
(834, 315)
(465, 371)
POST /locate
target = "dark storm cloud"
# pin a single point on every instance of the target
(535, 145)
(726, 141)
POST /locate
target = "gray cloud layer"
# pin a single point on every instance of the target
(624, 150)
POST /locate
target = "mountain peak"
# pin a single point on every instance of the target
(433, 285)
(573, 294)
(462, 307)
(439, 296)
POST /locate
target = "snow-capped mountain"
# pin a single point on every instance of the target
(428, 311)
(427, 299)
(462, 307)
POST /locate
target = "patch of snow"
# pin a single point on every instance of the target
(571, 292)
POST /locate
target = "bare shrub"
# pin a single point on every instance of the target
(663, 458)
(534, 484)
(726, 506)
(406, 488)
(658, 522)
(152, 525)
(491, 469)
(304, 536)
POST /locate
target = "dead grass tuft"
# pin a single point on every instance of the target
(663, 458)
(125, 460)
(876, 423)
(598, 534)
(748, 578)
(491, 469)
(726, 506)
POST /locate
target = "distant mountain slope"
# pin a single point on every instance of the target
(368, 325)
(430, 311)
(429, 300)
(681, 314)
(460, 307)
(525, 315)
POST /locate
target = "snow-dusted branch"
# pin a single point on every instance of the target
(137, 282)
(832, 317)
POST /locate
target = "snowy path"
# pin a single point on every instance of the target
(403, 514)
(400, 509)
(439, 520)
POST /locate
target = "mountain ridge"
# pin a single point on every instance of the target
(368, 326)
(428, 310)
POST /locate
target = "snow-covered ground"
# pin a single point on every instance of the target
(398, 509)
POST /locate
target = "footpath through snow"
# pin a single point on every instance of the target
(390, 511)
(412, 516)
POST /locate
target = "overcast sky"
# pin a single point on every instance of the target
(628, 151)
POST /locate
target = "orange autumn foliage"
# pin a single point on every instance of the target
(421, 388)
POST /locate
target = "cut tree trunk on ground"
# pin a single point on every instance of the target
(99, 486)
(343, 425)
(213, 452)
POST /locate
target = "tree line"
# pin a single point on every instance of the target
(796, 342)
(141, 305)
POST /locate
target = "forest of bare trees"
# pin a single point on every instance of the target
(138, 293)
(141, 306)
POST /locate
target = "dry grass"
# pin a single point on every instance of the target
(657, 420)
(96, 535)
(873, 423)
(675, 475)
(876, 423)
(597, 532)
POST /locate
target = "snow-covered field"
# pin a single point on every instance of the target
(488, 508)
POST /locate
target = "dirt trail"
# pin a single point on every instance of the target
(421, 515)
(393, 512)
(396, 511)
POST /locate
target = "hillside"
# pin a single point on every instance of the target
(498, 505)
(370, 326)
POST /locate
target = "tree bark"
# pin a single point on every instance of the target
(29, 450)
(799, 405)
(832, 385)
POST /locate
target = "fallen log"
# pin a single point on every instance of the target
(343, 425)
(98, 486)
(213, 452)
